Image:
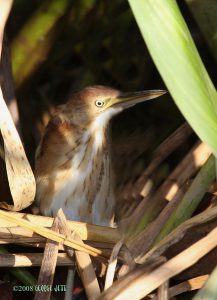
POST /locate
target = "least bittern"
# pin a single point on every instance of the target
(73, 161)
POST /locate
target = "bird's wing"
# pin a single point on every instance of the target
(56, 147)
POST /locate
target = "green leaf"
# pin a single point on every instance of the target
(176, 57)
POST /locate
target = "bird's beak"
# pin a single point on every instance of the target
(126, 100)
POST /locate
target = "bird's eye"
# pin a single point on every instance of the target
(99, 103)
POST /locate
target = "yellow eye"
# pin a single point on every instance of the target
(99, 103)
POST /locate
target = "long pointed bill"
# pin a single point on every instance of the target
(126, 100)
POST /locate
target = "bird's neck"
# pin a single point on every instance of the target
(96, 133)
(90, 178)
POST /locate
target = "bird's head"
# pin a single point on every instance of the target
(100, 102)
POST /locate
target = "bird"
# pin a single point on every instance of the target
(73, 162)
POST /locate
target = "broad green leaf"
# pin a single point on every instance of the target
(176, 57)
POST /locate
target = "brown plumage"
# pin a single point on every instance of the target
(73, 163)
